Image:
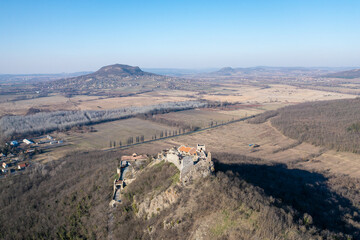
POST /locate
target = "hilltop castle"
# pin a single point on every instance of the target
(191, 162)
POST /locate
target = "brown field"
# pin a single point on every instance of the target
(81, 102)
(235, 138)
(138, 100)
(197, 117)
(281, 94)
(276, 95)
(51, 103)
(116, 131)
(231, 138)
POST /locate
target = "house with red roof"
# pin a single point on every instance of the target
(21, 166)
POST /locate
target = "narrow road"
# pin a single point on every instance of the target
(187, 133)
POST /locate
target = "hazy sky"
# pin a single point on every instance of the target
(66, 36)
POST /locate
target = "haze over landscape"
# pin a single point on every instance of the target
(179, 120)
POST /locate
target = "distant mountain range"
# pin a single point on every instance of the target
(261, 69)
(354, 73)
(270, 72)
(180, 72)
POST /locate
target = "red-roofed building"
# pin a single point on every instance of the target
(187, 150)
(22, 166)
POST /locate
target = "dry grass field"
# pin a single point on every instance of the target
(276, 95)
(138, 100)
(59, 102)
(197, 117)
(231, 138)
(274, 147)
(112, 131)
(281, 94)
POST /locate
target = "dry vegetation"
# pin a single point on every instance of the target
(67, 199)
(56, 102)
(43, 122)
(273, 93)
(333, 124)
(249, 198)
(252, 196)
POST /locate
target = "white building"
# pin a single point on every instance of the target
(27, 141)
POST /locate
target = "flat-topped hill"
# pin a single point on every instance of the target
(118, 77)
(119, 70)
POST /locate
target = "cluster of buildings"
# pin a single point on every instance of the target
(190, 161)
(11, 165)
(121, 181)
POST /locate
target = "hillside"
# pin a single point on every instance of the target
(120, 78)
(334, 124)
(354, 73)
(118, 70)
(266, 73)
(246, 199)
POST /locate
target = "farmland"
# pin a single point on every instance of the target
(248, 99)
(102, 135)
(55, 102)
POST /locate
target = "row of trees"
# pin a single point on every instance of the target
(139, 139)
(61, 120)
(162, 134)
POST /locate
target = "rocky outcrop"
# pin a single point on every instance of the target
(154, 205)
(200, 170)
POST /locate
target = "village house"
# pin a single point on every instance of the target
(14, 143)
(4, 165)
(27, 141)
(22, 166)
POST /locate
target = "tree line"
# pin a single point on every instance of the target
(43, 122)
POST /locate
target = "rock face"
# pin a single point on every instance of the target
(154, 206)
(201, 170)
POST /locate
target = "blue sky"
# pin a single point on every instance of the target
(80, 35)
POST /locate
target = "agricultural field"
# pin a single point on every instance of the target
(273, 147)
(275, 95)
(251, 100)
(101, 136)
(57, 102)
(150, 98)
(280, 94)
(198, 118)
